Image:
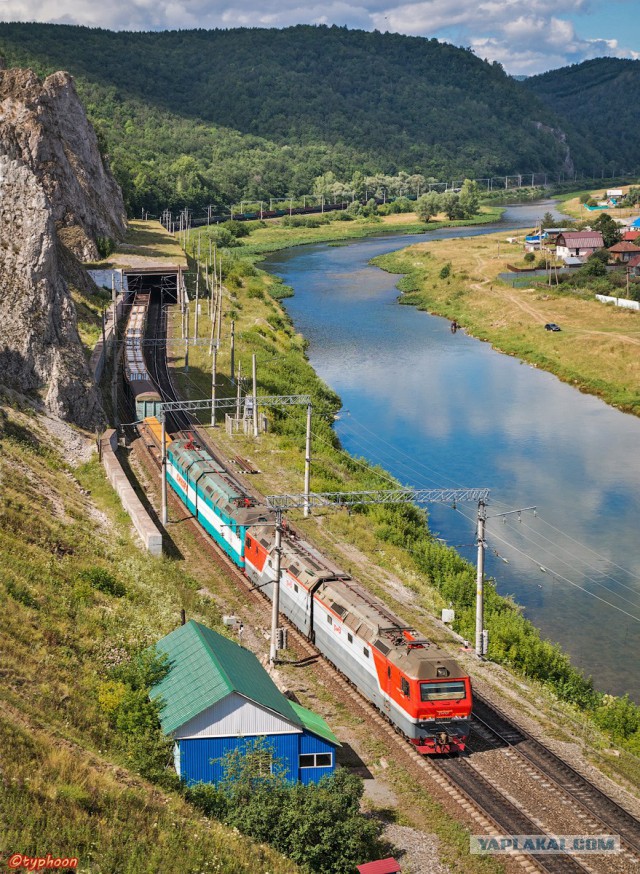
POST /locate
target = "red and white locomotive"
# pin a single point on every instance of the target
(414, 683)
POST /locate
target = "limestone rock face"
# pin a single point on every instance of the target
(54, 191)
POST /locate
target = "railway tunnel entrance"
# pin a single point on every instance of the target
(161, 284)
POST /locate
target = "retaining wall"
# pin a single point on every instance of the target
(149, 533)
(102, 349)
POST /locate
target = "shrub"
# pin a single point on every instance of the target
(529, 257)
(101, 579)
(446, 271)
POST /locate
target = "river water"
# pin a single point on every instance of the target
(441, 409)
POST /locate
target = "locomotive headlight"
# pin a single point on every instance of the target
(442, 672)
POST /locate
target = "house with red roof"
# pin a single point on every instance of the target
(624, 251)
(578, 244)
(631, 236)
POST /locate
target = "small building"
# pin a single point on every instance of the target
(578, 244)
(633, 265)
(217, 697)
(624, 251)
(631, 236)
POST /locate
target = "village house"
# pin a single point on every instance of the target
(624, 251)
(217, 698)
(578, 244)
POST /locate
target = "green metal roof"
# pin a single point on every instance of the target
(205, 668)
(315, 723)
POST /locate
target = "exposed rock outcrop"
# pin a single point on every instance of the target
(55, 195)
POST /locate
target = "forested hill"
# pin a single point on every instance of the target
(599, 98)
(217, 115)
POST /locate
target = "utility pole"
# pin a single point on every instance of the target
(186, 341)
(275, 601)
(163, 474)
(255, 396)
(307, 462)
(214, 368)
(239, 392)
(232, 365)
(482, 517)
(195, 331)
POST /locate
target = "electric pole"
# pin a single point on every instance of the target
(275, 601)
(482, 517)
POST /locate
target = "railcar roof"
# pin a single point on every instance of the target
(300, 558)
(218, 485)
(372, 620)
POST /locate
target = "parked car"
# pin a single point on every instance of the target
(551, 326)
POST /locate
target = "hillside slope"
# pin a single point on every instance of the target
(600, 99)
(216, 115)
(81, 598)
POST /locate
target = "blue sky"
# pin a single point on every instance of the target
(525, 36)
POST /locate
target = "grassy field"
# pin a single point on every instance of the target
(276, 236)
(146, 244)
(596, 351)
(571, 204)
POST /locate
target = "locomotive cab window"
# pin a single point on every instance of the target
(404, 685)
(453, 691)
(365, 651)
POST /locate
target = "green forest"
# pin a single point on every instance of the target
(600, 99)
(212, 117)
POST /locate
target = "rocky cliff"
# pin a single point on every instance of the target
(56, 197)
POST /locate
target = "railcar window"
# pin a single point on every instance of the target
(405, 686)
(295, 587)
(349, 637)
(441, 691)
(329, 620)
(365, 651)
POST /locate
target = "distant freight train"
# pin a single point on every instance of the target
(415, 684)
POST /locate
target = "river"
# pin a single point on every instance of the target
(441, 409)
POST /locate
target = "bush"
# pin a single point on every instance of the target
(319, 826)
(529, 257)
(446, 271)
(101, 579)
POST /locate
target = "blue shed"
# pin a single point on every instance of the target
(217, 697)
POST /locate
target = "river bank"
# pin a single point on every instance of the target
(273, 236)
(393, 542)
(596, 351)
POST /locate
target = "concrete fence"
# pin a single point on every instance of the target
(149, 533)
(619, 302)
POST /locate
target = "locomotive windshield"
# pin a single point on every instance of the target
(453, 691)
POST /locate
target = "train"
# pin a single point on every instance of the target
(141, 389)
(414, 683)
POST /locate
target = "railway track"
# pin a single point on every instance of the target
(492, 729)
(485, 804)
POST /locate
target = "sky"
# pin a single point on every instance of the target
(525, 36)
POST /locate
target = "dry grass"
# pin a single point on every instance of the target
(597, 349)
